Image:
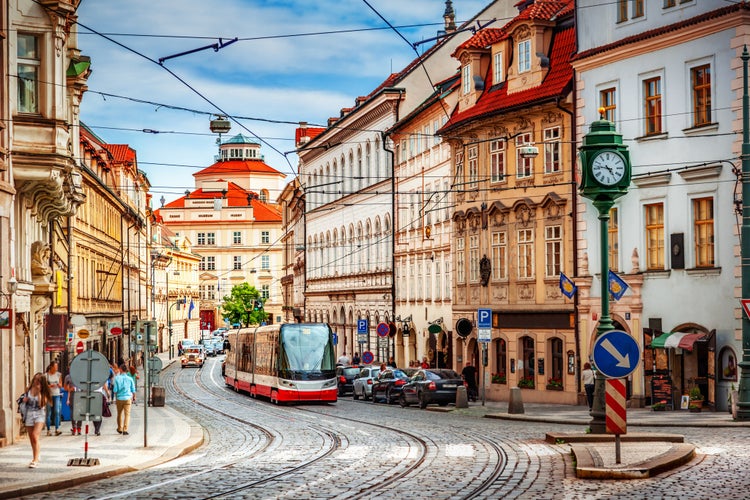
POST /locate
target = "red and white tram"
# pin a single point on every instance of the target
(287, 362)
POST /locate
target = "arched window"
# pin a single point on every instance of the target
(727, 364)
(342, 251)
(359, 249)
(347, 176)
(355, 174)
(369, 251)
(360, 172)
(368, 165)
(336, 188)
(378, 164)
(500, 374)
(263, 195)
(326, 189)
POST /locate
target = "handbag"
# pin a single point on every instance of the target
(22, 406)
(105, 408)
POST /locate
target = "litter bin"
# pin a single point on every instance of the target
(65, 412)
(157, 396)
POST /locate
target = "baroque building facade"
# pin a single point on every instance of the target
(668, 74)
(513, 232)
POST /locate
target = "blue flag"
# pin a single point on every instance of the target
(567, 287)
(190, 309)
(617, 287)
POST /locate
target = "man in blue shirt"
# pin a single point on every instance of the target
(123, 389)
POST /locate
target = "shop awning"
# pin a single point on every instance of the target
(673, 340)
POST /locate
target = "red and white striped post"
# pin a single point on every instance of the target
(616, 411)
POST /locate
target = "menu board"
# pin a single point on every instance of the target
(661, 390)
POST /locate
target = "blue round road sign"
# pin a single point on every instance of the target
(383, 329)
(616, 354)
(367, 357)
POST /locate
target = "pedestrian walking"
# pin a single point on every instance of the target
(75, 425)
(54, 381)
(391, 362)
(124, 388)
(469, 373)
(343, 360)
(356, 359)
(425, 363)
(133, 374)
(36, 398)
(587, 378)
(106, 413)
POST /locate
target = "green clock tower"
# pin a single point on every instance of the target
(604, 177)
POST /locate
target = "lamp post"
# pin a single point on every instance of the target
(169, 322)
(743, 403)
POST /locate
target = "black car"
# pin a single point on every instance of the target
(388, 385)
(431, 386)
(345, 376)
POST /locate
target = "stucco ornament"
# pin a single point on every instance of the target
(40, 270)
(485, 269)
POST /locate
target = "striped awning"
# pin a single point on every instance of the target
(673, 340)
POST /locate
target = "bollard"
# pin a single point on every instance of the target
(462, 400)
(515, 404)
(157, 396)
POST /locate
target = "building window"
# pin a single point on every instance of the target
(525, 253)
(411, 146)
(459, 164)
(497, 68)
(613, 239)
(553, 244)
(608, 104)
(652, 105)
(655, 236)
(552, 150)
(703, 220)
(237, 262)
(428, 280)
(499, 255)
(700, 78)
(265, 262)
(438, 281)
(207, 264)
(473, 164)
(29, 63)
(557, 368)
(528, 359)
(500, 375)
(524, 166)
(447, 280)
(466, 79)
(637, 8)
(207, 292)
(460, 269)
(237, 237)
(201, 238)
(524, 56)
(622, 10)
(211, 239)
(474, 258)
(412, 279)
(435, 136)
(497, 161)
(265, 292)
(403, 151)
(265, 237)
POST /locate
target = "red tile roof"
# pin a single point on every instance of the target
(121, 152)
(714, 14)
(311, 132)
(482, 40)
(237, 167)
(236, 197)
(545, 10)
(557, 83)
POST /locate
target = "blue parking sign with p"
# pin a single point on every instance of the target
(484, 318)
(361, 326)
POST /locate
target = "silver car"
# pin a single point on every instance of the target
(363, 382)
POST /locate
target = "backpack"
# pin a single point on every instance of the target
(21, 406)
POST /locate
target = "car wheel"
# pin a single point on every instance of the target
(355, 396)
(388, 400)
(274, 397)
(364, 395)
(422, 400)
(374, 399)
(402, 401)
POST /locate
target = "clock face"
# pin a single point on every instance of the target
(608, 168)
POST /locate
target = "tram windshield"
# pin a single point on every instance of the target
(306, 352)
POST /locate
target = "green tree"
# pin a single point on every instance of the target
(244, 306)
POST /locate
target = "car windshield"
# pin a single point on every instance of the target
(399, 374)
(192, 350)
(438, 374)
(351, 371)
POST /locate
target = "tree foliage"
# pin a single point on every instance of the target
(244, 306)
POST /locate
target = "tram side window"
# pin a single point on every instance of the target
(246, 358)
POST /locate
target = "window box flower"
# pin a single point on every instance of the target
(555, 384)
(526, 383)
(499, 378)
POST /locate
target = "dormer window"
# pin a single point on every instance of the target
(497, 68)
(466, 78)
(524, 56)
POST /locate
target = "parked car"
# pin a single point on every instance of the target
(192, 355)
(219, 346)
(362, 385)
(388, 385)
(345, 376)
(431, 386)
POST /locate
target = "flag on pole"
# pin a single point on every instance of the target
(617, 287)
(567, 287)
(190, 309)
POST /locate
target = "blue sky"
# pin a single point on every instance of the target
(273, 76)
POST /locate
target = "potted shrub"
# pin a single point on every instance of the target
(659, 406)
(526, 383)
(499, 378)
(554, 384)
(696, 398)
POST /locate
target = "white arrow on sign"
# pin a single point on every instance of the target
(622, 361)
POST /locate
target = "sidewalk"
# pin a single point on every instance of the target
(170, 435)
